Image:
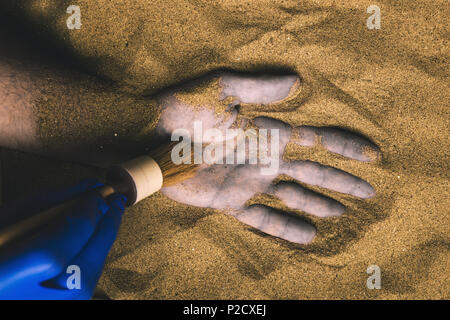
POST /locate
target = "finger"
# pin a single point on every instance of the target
(296, 197)
(284, 130)
(305, 136)
(259, 89)
(91, 258)
(339, 141)
(348, 144)
(278, 224)
(328, 177)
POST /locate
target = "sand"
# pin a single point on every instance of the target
(389, 84)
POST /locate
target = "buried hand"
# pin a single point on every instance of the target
(230, 186)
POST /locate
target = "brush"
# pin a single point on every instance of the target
(136, 179)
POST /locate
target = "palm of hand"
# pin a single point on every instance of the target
(229, 187)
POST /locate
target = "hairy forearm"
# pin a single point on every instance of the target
(17, 111)
(53, 109)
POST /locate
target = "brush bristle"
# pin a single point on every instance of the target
(173, 173)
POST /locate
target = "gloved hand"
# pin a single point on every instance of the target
(66, 259)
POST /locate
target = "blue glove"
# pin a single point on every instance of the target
(66, 259)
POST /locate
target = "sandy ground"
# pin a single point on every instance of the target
(389, 84)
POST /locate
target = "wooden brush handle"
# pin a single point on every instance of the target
(27, 227)
(136, 179)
